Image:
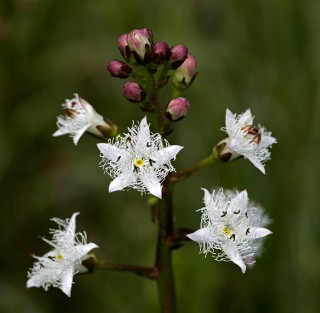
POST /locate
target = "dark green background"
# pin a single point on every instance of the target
(262, 55)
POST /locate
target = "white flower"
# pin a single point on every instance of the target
(80, 117)
(138, 159)
(246, 139)
(229, 227)
(57, 267)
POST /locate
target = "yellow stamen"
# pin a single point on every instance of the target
(226, 231)
(59, 257)
(138, 162)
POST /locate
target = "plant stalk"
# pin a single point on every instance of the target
(165, 278)
(148, 272)
(188, 171)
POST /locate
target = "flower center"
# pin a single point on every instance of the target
(59, 257)
(226, 231)
(253, 131)
(138, 162)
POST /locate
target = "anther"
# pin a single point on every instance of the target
(151, 162)
(128, 140)
(224, 213)
(236, 212)
(70, 112)
(233, 236)
(247, 231)
(254, 131)
(256, 139)
(119, 157)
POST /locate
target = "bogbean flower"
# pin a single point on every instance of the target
(244, 139)
(81, 117)
(57, 267)
(230, 227)
(138, 159)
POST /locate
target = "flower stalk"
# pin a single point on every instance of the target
(190, 170)
(165, 278)
(147, 272)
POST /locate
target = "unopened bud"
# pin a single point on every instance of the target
(140, 42)
(133, 92)
(222, 153)
(119, 69)
(178, 54)
(124, 47)
(177, 109)
(161, 53)
(184, 75)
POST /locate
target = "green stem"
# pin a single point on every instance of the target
(165, 279)
(163, 78)
(176, 93)
(146, 78)
(188, 171)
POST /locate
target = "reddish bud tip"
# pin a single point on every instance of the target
(133, 92)
(161, 53)
(177, 109)
(178, 54)
(119, 69)
(124, 47)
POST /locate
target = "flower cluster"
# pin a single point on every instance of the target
(229, 227)
(138, 159)
(232, 227)
(57, 267)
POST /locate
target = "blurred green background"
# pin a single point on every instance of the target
(261, 54)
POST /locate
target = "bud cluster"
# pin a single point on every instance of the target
(142, 59)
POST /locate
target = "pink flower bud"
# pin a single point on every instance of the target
(133, 92)
(119, 69)
(124, 47)
(178, 54)
(161, 53)
(177, 109)
(184, 75)
(140, 42)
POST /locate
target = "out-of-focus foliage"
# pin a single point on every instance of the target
(251, 53)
